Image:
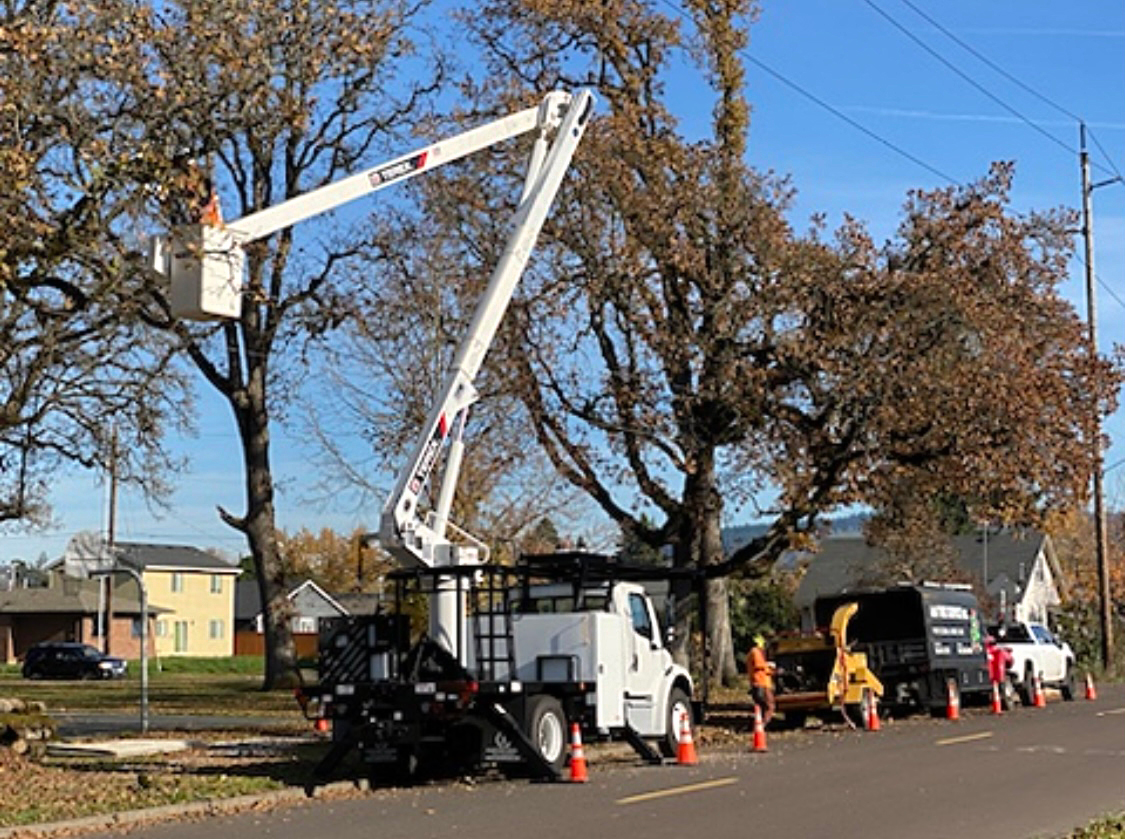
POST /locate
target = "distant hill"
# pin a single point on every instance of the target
(737, 536)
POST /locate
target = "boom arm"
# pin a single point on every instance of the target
(403, 531)
(205, 266)
(205, 262)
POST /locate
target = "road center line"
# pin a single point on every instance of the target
(1110, 713)
(665, 793)
(968, 738)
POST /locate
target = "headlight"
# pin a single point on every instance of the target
(105, 665)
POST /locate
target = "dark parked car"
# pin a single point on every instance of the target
(70, 660)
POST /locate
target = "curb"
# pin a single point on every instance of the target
(205, 807)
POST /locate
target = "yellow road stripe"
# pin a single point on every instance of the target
(664, 793)
(1114, 711)
(968, 738)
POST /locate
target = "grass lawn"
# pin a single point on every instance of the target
(181, 686)
(69, 788)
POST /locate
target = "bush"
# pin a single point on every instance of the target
(1079, 624)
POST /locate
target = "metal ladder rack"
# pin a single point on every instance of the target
(493, 646)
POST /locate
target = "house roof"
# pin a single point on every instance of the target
(248, 601)
(837, 567)
(358, 604)
(177, 557)
(843, 561)
(1011, 553)
(77, 597)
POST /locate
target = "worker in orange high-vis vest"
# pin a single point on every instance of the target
(760, 672)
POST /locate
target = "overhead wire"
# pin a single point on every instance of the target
(967, 78)
(854, 123)
(904, 30)
(1010, 77)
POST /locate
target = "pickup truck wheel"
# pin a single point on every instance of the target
(1027, 689)
(546, 728)
(1067, 686)
(1007, 695)
(678, 705)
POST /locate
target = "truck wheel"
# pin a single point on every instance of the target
(1027, 689)
(1007, 695)
(546, 728)
(1067, 686)
(678, 705)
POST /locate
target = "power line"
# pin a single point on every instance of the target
(1000, 70)
(836, 112)
(853, 123)
(967, 78)
(983, 58)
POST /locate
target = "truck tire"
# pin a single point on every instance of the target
(678, 704)
(546, 728)
(1067, 685)
(1008, 695)
(1027, 689)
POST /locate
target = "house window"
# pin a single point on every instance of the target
(180, 645)
(216, 584)
(162, 629)
(177, 581)
(135, 629)
(304, 624)
(216, 628)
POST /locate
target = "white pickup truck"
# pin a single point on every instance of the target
(1035, 650)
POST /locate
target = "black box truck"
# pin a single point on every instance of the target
(917, 638)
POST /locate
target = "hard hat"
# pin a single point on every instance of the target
(759, 640)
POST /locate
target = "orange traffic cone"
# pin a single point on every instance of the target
(871, 712)
(759, 743)
(685, 754)
(578, 774)
(997, 706)
(1039, 698)
(1091, 691)
(952, 701)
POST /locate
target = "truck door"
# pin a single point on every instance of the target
(643, 672)
(1048, 656)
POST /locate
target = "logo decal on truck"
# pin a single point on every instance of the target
(394, 171)
(501, 750)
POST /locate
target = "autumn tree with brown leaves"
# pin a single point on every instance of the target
(77, 369)
(124, 118)
(263, 101)
(685, 348)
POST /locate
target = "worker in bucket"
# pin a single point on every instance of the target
(760, 671)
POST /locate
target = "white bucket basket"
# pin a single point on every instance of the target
(206, 274)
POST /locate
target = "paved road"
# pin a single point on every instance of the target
(1030, 773)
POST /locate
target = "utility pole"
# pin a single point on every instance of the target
(1105, 603)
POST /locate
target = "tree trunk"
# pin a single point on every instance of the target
(704, 547)
(260, 527)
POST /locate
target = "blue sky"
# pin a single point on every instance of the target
(848, 103)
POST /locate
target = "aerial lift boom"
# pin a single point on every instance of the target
(205, 265)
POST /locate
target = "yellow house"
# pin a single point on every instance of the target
(196, 589)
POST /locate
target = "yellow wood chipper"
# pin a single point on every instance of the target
(818, 674)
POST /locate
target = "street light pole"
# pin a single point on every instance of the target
(144, 634)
